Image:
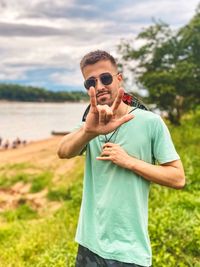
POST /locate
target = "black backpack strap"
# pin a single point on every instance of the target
(85, 113)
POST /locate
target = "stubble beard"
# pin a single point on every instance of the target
(107, 100)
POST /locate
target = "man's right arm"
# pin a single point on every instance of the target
(72, 144)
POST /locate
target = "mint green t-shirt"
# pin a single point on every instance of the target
(113, 221)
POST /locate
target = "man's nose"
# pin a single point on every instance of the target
(99, 85)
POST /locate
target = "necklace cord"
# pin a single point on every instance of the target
(116, 130)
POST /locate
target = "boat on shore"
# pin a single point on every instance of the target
(59, 133)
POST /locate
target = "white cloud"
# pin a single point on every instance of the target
(44, 34)
(68, 78)
(170, 11)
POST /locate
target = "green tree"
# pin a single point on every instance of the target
(167, 65)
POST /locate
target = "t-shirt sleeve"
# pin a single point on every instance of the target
(163, 147)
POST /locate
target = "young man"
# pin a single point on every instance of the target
(121, 144)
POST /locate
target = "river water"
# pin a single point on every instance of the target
(35, 121)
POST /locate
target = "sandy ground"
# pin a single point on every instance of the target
(31, 151)
(42, 155)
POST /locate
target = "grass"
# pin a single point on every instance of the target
(29, 238)
(39, 243)
(41, 181)
(9, 176)
(174, 215)
(23, 212)
(6, 181)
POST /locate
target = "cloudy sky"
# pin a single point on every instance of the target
(42, 41)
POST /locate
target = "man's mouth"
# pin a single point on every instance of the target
(102, 93)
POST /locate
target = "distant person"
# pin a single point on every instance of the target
(122, 143)
(24, 142)
(18, 141)
(14, 144)
(0, 141)
(6, 144)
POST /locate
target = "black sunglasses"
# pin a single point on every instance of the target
(105, 78)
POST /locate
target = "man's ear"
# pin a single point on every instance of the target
(120, 78)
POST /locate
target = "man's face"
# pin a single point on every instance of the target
(105, 94)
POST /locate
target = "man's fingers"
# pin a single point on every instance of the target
(93, 101)
(108, 145)
(118, 100)
(103, 158)
(102, 116)
(105, 114)
(109, 116)
(105, 153)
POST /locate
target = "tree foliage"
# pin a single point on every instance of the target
(15, 92)
(167, 64)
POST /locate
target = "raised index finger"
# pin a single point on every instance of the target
(93, 101)
(118, 100)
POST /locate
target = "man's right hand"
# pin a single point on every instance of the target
(101, 119)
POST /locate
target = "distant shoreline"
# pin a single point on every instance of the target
(24, 143)
(28, 144)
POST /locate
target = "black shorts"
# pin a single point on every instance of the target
(87, 258)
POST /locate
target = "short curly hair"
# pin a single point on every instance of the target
(95, 56)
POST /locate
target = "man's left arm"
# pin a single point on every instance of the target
(169, 174)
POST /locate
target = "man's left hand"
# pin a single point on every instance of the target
(116, 154)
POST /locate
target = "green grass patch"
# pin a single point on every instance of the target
(16, 166)
(23, 212)
(41, 181)
(38, 181)
(43, 241)
(59, 194)
(7, 181)
(73, 192)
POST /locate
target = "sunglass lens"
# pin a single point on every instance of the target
(88, 83)
(106, 78)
